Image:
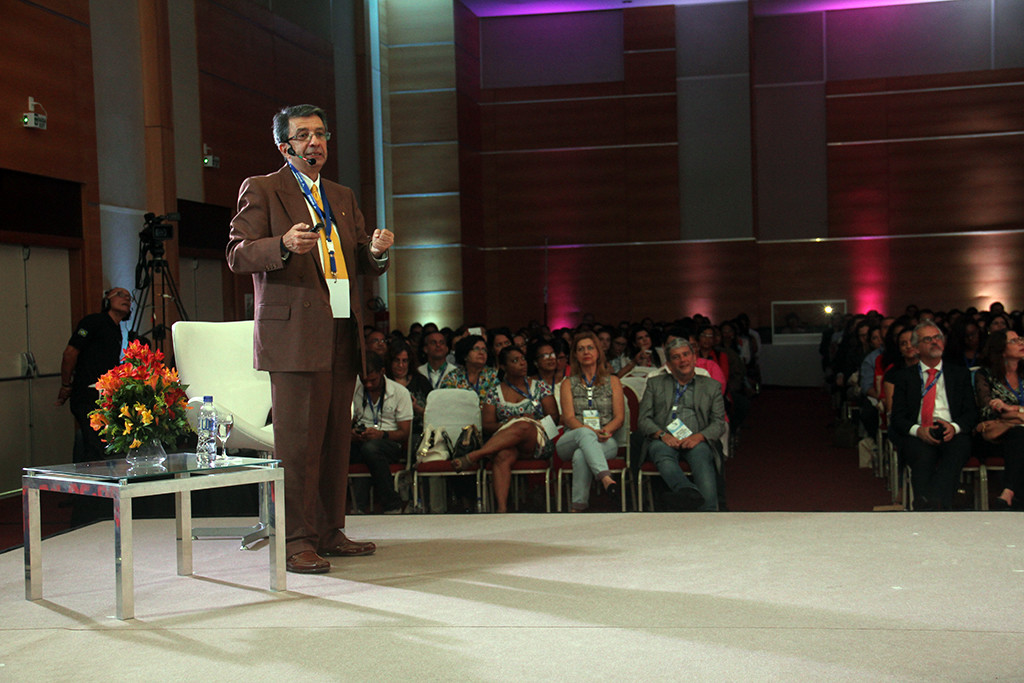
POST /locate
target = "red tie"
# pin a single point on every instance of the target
(928, 401)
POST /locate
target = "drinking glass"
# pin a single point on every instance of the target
(225, 421)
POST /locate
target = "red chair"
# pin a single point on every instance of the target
(451, 409)
(521, 468)
(973, 467)
(398, 470)
(991, 464)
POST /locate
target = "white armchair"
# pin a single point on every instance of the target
(215, 359)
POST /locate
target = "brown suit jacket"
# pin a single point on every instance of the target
(292, 304)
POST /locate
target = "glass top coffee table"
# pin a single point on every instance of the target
(180, 474)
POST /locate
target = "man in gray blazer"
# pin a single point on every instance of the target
(682, 415)
(303, 239)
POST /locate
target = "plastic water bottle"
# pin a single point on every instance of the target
(207, 429)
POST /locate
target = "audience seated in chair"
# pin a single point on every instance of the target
(933, 414)
(401, 369)
(593, 410)
(471, 369)
(682, 415)
(644, 357)
(512, 413)
(999, 389)
(381, 421)
(435, 353)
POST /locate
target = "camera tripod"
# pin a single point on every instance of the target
(146, 272)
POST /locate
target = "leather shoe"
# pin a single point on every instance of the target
(1000, 504)
(612, 489)
(345, 547)
(307, 562)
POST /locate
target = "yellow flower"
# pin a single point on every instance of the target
(135, 444)
(127, 426)
(126, 411)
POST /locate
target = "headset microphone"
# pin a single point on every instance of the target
(291, 151)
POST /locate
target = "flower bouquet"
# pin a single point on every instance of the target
(141, 406)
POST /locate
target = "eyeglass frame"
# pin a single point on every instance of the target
(305, 135)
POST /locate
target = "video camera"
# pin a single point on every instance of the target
(155, 232)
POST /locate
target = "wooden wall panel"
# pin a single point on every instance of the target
(426, 168)
(649, 28)
(426, 220)
(858, 189)
(423, 117)
(568, 196)
(559, 124)
(622, 282)
(650, 72)
(420, 67)
(232, 48)
(587, 163)
(244, 142)
(915, 155)
(939, 272)
(418, 21)
(651, 182)
(426, 270)
(46, 53)
(954, 185)
(251, 63)
(444, 309)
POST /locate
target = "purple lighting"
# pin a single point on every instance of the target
(507, 8)
(772, 7)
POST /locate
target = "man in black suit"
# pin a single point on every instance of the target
(933, 414)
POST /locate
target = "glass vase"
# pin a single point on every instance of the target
(148, 454)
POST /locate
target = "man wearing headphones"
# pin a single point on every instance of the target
(94, 348)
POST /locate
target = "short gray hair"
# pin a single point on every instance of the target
(677, 342)
(915, 337)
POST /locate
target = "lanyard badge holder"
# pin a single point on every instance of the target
(338, 288)
(676, 427)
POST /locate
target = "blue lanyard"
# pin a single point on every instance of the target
(1019, 392)
(479, 379)
(325, 214)
(590, 389)
(440, 374)
(534, 402)
(934, 381)
(679, 393)
(375, 411)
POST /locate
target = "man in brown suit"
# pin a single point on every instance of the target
(304, 241)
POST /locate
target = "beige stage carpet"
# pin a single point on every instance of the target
(630, 597)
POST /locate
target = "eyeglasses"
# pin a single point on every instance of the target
(934, 338)
(544, 356)
(479, 348)
(377, 341)
(1015, 340)
(119, 292)
(305, 135)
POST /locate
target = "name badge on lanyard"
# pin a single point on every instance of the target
(341, 307)
(676, 427)
(337, 288)
(591, 416)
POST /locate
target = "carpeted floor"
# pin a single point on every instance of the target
(787, 461)
(638, 597)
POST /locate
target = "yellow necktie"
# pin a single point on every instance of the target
(339, 258)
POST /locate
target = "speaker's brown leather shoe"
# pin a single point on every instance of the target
(307, 562)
